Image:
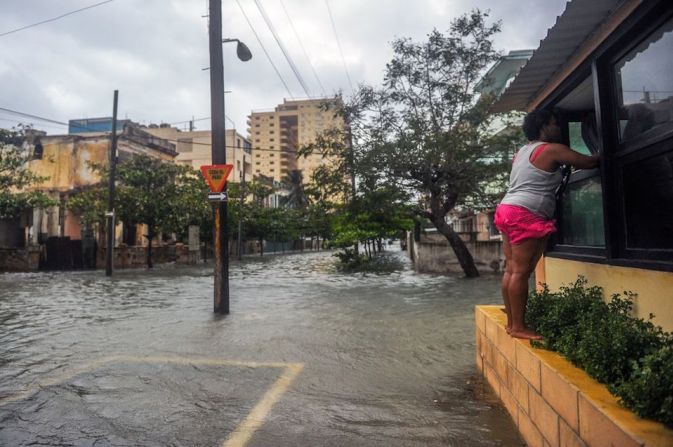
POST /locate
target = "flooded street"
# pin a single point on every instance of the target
(308, 357)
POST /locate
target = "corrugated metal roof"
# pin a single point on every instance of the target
(579, 20)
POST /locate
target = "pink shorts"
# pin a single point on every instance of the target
(519, 223)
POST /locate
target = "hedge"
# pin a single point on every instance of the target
(632, 356)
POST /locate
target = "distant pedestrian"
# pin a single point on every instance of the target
(525, 214)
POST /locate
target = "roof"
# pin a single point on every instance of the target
(502, 71)
(580, 20)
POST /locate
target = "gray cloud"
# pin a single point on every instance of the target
(153, 51)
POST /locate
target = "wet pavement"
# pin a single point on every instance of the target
(308, 357)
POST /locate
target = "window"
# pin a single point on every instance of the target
(648, 203)
(643, 99)
(644, 87)
(582, 211)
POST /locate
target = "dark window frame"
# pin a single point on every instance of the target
(600, 65)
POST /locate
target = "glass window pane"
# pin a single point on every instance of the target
(648, 203)
(645, 86)
(582, 218)
(576, 141)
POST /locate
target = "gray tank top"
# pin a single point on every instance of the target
(531, 187)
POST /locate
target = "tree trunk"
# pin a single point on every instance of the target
(464, 256)
(261, 247)
(149, 251)
(439, 210)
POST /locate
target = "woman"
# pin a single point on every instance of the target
(525, 214)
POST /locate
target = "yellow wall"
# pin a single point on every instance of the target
(654, 289)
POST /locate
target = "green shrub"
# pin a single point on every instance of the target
(649, 391)
(631, 356)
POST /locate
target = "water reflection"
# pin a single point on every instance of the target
(389, 358)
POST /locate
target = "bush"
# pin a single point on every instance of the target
(632, 356)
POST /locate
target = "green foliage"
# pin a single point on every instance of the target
(90, 204)
(15, 176)
(649, 391)
(630, 355)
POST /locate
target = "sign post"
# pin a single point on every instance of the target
(216, 177)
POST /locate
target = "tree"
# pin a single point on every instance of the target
(149, 193)
(432, 129)
(296, 197)
(15, 176)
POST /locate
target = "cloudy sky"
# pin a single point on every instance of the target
(154, 52)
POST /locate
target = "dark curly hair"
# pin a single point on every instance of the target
(534, 121)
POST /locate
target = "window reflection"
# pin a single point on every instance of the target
(644, 79)
(582, 222)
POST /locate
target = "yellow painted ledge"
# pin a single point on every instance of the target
(642, 432)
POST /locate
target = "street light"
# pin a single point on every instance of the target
(219, 156)
(242, 50)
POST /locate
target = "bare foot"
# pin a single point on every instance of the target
(526, 334)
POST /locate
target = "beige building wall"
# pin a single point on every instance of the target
(194, 148)
(277, 134)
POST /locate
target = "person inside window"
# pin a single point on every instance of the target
(525, 216)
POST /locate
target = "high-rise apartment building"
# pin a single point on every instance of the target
(277, 134)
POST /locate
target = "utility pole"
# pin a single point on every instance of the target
(111, 191)
(351, 162)
(219, 155)
(240, 209)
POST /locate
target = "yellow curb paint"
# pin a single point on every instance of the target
(257, 416)
(240, 436)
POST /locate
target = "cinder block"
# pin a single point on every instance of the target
(506, 345)
(529, 432)
(480, 319)
(510, 404)
(492, 379)
(527, 364)
(544, 417)
(598, 431)
(501, 366)
(561, 395)
(491, 330)
(568, 437)
(518, 386)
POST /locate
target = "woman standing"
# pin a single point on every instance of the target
(525, 214)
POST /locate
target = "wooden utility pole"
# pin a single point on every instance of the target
(109, 250)
(219, 156)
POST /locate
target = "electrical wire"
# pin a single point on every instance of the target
(53, 19)
(288, 58)
(301, 44)
(336, 36)
(264, 49)
(49, 120)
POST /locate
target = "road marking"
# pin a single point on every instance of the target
(245, 430)
(257, 416)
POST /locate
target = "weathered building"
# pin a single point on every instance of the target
(194, 148)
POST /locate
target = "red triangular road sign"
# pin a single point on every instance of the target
(216, 175)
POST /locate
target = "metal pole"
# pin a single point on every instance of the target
(219, 155)
(111, 191)
(240, 209)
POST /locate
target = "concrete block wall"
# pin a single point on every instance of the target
(552, 402)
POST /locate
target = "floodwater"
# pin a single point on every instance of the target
(308, 357)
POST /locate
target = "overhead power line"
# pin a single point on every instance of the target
(336, 36)
(53, 19)
(49, 120)
(296, 34)
(288, 58)
(264, 49)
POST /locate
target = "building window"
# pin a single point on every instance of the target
(582, 211)
(645, 87)
(644, 102)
